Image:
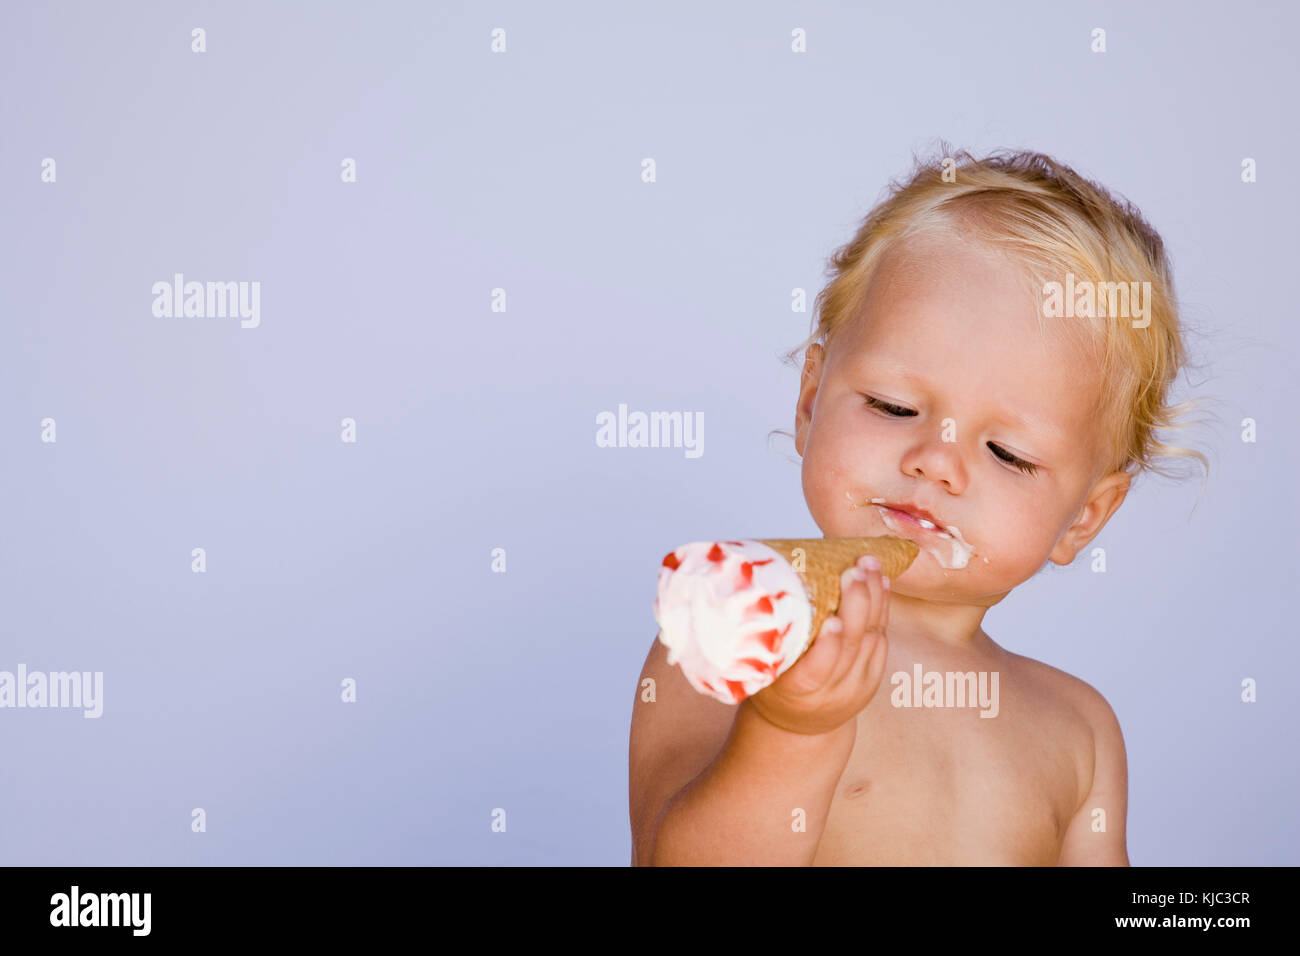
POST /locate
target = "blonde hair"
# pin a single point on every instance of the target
(1052, 221)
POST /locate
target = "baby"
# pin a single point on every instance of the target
(987, 371)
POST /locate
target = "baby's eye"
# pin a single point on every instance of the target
(1011, 459)
(895, 410)
(898, 411)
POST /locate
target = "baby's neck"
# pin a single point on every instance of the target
(955, 625)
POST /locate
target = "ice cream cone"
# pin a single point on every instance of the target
(821, 561)
(735, 615)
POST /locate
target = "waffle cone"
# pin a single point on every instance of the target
(823, 560)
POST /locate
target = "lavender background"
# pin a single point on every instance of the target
(476, 428)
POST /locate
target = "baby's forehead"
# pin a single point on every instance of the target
(969, 310)
(999, 368)
(945, 257)
(958, 323)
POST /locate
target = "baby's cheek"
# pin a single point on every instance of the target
(819, 494)
(1017, 547)
(826, 487)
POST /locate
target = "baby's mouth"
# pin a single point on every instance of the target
(946, 545)
(908, 518)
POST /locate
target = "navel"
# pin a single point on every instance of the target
(857, 790)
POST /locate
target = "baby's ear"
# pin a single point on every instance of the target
(1103, 501)
(812, 375)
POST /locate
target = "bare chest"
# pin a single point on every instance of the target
(941, 785)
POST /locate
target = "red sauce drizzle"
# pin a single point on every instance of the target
(772, 639)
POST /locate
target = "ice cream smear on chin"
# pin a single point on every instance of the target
(733, 614)
(947, 547)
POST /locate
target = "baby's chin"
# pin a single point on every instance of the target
(929, 572)
(926, 580)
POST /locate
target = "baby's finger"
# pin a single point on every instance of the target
(870, 666)
(872, 622)
(887, 585)
(853, 612)
(875, 619)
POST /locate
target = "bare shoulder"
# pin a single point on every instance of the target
(1096, 831)
(1086, 705)
(675, 735)
(1081, 695)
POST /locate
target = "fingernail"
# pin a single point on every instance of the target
(859, 574)
(884, 579)
(870, 561)
(832, 624)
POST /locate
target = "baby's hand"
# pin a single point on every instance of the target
(839, 674)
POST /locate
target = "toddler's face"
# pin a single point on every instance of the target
(940, 396)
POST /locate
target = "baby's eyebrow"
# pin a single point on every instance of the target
(1030, 422)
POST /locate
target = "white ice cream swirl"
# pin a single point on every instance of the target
(733, 614)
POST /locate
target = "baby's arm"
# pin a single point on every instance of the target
(715, 784)
(1084, 845)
